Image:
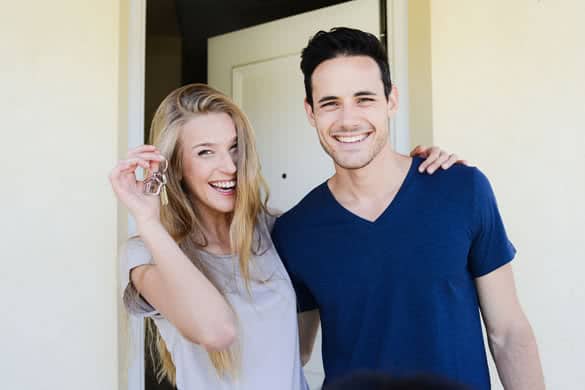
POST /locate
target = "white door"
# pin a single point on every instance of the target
(259, 68)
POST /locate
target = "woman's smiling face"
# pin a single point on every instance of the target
(210, 153)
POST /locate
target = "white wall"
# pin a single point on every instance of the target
(60, 135)
(508, 85)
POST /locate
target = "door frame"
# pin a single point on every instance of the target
(397, 40)
(136, 84)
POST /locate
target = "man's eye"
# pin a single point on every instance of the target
(329, 104)
(364, 100)
(204, 152)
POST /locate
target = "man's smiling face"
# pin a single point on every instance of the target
(350, 110)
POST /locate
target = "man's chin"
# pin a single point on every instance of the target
(353, 163)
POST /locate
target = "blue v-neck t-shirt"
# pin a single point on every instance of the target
(397, 295)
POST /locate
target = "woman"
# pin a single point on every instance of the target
(203, 267)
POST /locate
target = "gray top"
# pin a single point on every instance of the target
(267, 320)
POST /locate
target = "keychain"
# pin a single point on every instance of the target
(155, 184)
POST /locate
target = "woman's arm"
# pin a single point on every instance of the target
(181, 293)
(172, 284)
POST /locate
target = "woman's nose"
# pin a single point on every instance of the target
(229, 163)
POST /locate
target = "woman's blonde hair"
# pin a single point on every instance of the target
(180, 216)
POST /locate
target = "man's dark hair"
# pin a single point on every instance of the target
(343, 41)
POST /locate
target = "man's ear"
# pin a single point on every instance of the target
(393, 102)
(310, 114)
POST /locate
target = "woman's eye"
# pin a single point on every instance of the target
(234, 147)
(205, 152)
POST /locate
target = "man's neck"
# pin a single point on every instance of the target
(381, 177)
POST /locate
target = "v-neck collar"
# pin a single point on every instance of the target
(393, 204)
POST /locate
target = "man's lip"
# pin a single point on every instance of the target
(365, 136)
(351, 134)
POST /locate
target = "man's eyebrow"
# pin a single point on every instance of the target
(364, 93)
(357, 94)
(326, 98)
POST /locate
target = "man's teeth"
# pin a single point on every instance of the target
(352, 139)
(224, 184)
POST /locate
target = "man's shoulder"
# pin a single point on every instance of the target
(456, 173)
(459, 177)
(456, 187)
(466, 178)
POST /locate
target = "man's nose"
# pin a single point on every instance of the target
(349, 117)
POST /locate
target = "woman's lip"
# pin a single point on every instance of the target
(224, 192)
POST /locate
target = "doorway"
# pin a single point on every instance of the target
(176, 35)
(177, 32)
(176, 54)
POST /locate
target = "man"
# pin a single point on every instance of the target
(394, 263)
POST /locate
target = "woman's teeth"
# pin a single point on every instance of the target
(224, 185)
(351, 139)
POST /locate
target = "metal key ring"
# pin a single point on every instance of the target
(166, 166)
(157, 180)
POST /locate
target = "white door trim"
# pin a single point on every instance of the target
(136, 65)
(397, 17)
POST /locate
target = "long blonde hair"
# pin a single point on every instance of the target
(180, 216)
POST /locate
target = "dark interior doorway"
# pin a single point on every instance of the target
(176, 54)
(177, 33)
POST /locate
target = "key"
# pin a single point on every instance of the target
(155, 184)
(164, 198)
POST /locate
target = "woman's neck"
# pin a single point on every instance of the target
(216, 229)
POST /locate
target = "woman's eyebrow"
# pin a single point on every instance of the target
(203, 144)
(208, 144)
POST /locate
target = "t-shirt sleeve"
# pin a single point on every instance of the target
(305, 299)
(134, 254)
(490, 247)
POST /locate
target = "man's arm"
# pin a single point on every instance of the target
(308, 327)
(510, 336)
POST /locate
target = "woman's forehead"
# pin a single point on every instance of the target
(213, 128)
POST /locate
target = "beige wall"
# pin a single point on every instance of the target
(61, 130)
(508, 93)
(419, 71)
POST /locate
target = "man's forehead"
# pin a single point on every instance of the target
(347, 75)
